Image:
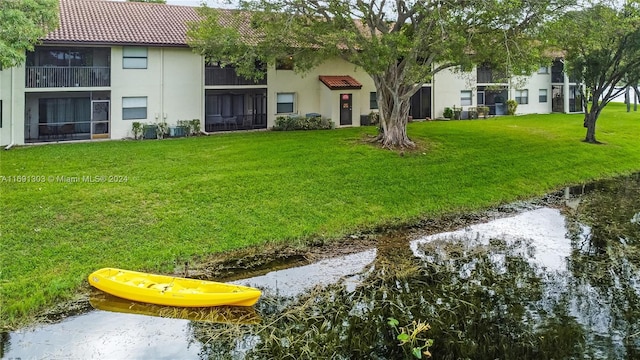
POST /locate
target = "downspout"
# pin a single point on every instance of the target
(11, 120)
(162, 114)
(565, 90)
(203, 95)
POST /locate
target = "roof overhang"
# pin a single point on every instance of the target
(340, 82)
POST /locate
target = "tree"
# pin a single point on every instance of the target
(400, 44)
(633, 92)
(602, 45)
(24, 22)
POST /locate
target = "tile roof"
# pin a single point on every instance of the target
(119, 22)
(340, 82)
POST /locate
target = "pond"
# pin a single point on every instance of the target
(559, 281)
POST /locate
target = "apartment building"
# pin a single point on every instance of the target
(112, 63)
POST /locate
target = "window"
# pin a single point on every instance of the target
(134, 57)
(373, 100)
(522, 96)
(480, 97)
(465, 97)
(285, 103)
(134, 108)
(543, 70)
(542, 96)
(284, 63)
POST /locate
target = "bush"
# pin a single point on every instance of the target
(457, 112)
(448, 113)
(136, 127)
(512, 105)
(483, 111)
(191, 127)
(374, 118)
(162, 129)
(195, 126)
(288, 123)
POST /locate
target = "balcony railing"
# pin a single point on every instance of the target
(227, 76)
(217, 122)
(67, 76)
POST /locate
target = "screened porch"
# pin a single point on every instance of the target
(52, 117)
(242, 109)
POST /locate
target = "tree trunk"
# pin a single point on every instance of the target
(590, 123)
(627, 98)
(394, 104)
(636, 97)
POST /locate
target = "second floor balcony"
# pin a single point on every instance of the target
(487, 75)
(216, 75)
(557, 72)
(67, 76)
(63, 67)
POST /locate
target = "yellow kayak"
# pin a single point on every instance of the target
(171, 291)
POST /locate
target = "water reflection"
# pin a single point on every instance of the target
(546, 283)
(605, 265)
(220, 314)
(105, 335)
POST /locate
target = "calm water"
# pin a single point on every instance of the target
(543, 283)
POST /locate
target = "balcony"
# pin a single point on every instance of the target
(214, 75)
(67, 76)
(486, 75)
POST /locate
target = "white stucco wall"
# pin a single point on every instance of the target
(311, 94)
(533, 84)
(12, 96)
(172, 83)
(5, 91)
(447, 85)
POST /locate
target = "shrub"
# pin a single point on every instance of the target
(162, 128)
(512, 105)
(448, 113)
(483, 111)
(374, 118)
(288, 123)
(195, 126)
(457, 112)
(136, 128)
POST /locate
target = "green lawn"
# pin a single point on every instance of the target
(195, 196)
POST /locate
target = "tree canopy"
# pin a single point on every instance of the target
(400, 44)
(602, 45)
(23, 23)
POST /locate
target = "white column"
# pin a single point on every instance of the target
(565, 94)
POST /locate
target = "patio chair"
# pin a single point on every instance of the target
(231, 122)
(214, 121)
(45, 132)
(67, 129)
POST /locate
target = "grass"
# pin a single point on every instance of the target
(186, 198)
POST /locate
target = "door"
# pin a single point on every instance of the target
(100, 119)
(346, 109)
(557, 98)
(260, 111)
(421, 104)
